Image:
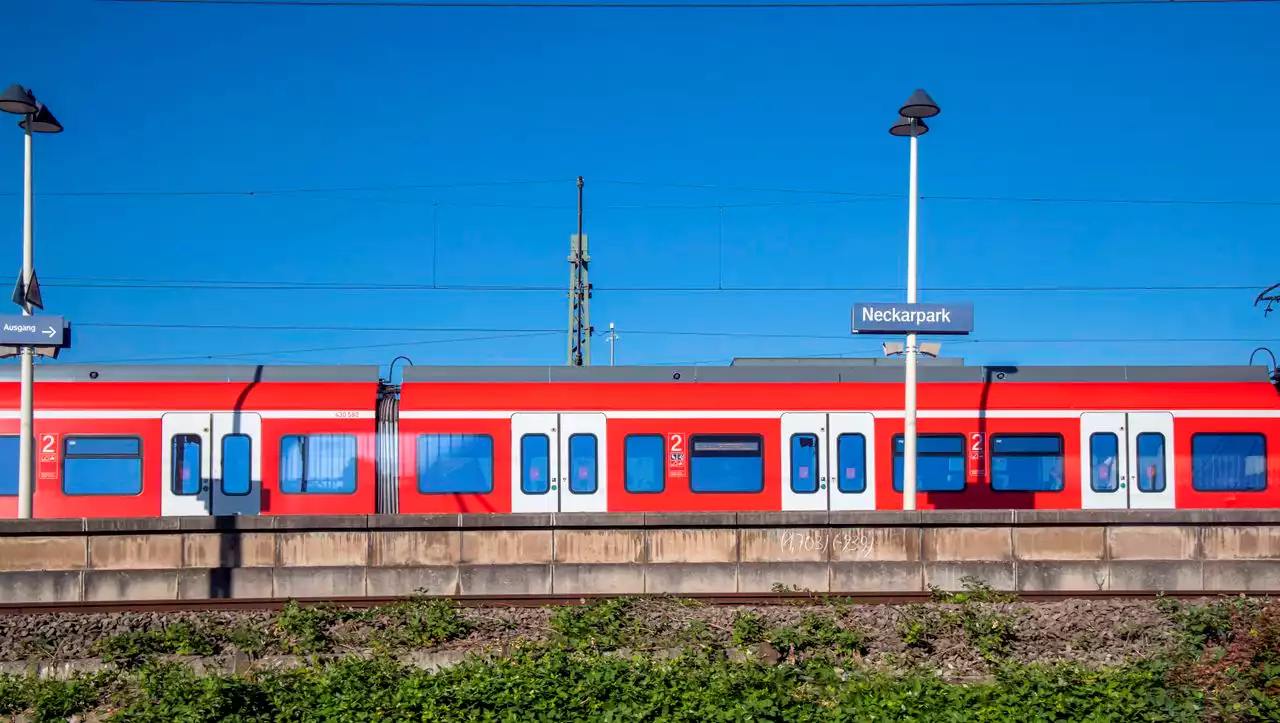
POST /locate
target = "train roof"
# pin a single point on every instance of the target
(780, 372)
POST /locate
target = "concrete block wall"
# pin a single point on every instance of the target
(838, 552)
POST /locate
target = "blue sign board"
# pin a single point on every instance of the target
(31, 330)
(891, 318)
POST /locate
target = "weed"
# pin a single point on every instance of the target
(306, 629)
(975, 590)
(424, 623)
(918, 628)
(748, 629)
(601, 624)
(818, 632)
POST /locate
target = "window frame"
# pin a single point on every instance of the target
(1164, 466)
(1061, 457)
(493, 452)
(693, 454)
(302, 479)
(140, 456)
(897, 481)
(524, 469)
(662, 463)
(817, 462)
(175, 467)
(1266, 465)
(1116, 468)
(862, 464)
(595, 465)
(222, 477)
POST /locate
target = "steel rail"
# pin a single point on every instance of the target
(530, 601)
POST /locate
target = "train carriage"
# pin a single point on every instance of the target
(126, 441)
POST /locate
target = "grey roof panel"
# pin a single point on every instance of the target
(475, 374)
(767, 374)
(59, 372)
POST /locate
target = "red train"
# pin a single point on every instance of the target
(143, 441)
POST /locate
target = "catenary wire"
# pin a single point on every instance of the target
(588, 4)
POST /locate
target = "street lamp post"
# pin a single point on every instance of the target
(36, 119)
(911, 123)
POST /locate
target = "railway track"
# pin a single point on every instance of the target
(528, 601)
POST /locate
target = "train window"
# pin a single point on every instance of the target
(804, 463)
(646, 463)
(237, 451)
(455, 464)
(1104, 449)
(851, 458)
(1151, 462)
(102, 465)
(939, 462)
(535, 464)
(1229, 462)
(9, 447)
(726, 463)
(318, 464)
(584, 464)
(184, 464)
(1026, 463)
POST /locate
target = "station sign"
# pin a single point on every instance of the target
(44, 330)
(902, 318)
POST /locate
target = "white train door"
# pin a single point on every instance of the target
(558, 463)
(583, 463)
(236, 463)
(535, 463)
(827, 461)
(1126, 460)
(212, 464)
(186, 461)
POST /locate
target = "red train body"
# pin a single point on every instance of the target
(145, 441)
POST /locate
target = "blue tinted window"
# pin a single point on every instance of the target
(184, 464)
(455, 464)
(1104, 448)
(804, 463)
(102, 466)
(236, 467)
(646, 463)
(726, 463)
(9, 447)
(1151, 462)
(851, 458)
(1229, 462)
(1026, 463)
(939, 462)
(535, 464)
(318, 464)
(583, 464)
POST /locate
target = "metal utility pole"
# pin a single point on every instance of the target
(580, 329)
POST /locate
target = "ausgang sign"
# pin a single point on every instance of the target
(890, 318)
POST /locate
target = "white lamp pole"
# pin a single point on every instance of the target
(910, 123)
(36, 119)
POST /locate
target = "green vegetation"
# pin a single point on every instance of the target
(1224, 665)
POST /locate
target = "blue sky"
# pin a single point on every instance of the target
(1056, 103)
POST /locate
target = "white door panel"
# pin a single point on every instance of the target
(1151, 460)
(236, 461)
(185, 459)
(1104, 467)
(804, 446)
(851, 460)
(535, 464)
(584, 463)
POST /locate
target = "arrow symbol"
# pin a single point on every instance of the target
(49, 332)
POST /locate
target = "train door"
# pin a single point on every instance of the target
(827, 461)
(583, 463)
(236, 463)
(558, 463)
(1126, 460)
(535, 454)
(212, 464)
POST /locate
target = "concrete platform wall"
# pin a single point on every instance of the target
(308, 557)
